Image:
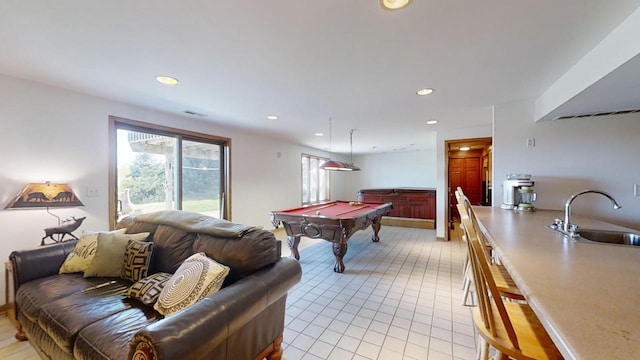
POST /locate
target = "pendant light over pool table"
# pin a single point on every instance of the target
(333, 165)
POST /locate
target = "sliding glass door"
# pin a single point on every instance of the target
(202, 185)
(166, 169)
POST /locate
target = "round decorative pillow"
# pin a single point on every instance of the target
(197, 277)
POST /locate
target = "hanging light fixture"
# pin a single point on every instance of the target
(351, 166)
(333, 165)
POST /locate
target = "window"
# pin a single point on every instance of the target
(315, 181)
(159, 168)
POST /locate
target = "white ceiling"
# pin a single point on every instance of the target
(306, 61)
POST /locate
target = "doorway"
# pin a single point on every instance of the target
(469, 166)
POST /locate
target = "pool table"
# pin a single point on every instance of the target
(333, 221)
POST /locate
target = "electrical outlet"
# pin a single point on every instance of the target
(92, 191)
(636, 190)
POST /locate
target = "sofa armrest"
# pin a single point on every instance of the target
(39, 262)
(203, 326)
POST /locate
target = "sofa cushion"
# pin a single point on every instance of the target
(148, 290)
(109, 258)
(171, 247)
(33, 295)
(137, 258)
(63, 319)
(256, 249)
(109, 338)
(197, 277)
(80, 258)
(40, 340)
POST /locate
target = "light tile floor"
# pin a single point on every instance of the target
(397, 299)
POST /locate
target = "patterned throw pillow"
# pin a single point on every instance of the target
(137, 258)
(148, 289)
(109, 258)
(197, 277)
(79, 259)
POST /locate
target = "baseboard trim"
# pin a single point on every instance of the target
(408, 222)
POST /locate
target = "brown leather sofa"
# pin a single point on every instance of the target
(67, 316)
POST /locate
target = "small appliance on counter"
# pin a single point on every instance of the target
(518, 193)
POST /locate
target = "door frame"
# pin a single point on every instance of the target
(448, 145)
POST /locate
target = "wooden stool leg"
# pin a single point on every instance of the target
(466, 290)
(483, 349)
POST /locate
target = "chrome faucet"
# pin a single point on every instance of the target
(571, 229)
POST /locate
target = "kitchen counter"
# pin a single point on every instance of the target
(587, 295)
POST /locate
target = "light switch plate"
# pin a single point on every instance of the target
(92, 191)
(636, 190)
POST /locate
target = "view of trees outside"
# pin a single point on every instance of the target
(145, 179)
(146, 174)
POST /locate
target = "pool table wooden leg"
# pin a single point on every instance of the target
(375, 225)
(293, 242)
(339, 249)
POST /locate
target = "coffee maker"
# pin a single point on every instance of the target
(518, 192)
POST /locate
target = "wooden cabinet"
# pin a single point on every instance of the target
(414, 203)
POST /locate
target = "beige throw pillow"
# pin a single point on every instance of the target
(197, 277)
(79, 259)
(109, 258)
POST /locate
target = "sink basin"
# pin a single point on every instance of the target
(611, 237)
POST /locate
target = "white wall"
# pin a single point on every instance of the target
(266, 176)
(398, 169)
(571, 155)
(49, 134)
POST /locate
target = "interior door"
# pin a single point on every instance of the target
(465, 173)
(471, 179)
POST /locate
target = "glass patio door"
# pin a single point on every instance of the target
(159, 170)
(202, 189)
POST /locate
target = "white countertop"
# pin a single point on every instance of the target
(587, 295)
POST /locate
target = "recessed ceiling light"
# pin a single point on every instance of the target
(394, 4)
(167, 80)
(465, 148)
(423, 92)
(319, 134)
(432, 122)
(272, 117)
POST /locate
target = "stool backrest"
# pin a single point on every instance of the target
(488, 295)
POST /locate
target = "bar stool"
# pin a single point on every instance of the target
(504, 282)
(511, 328)
(507, 287)
(466, 270)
